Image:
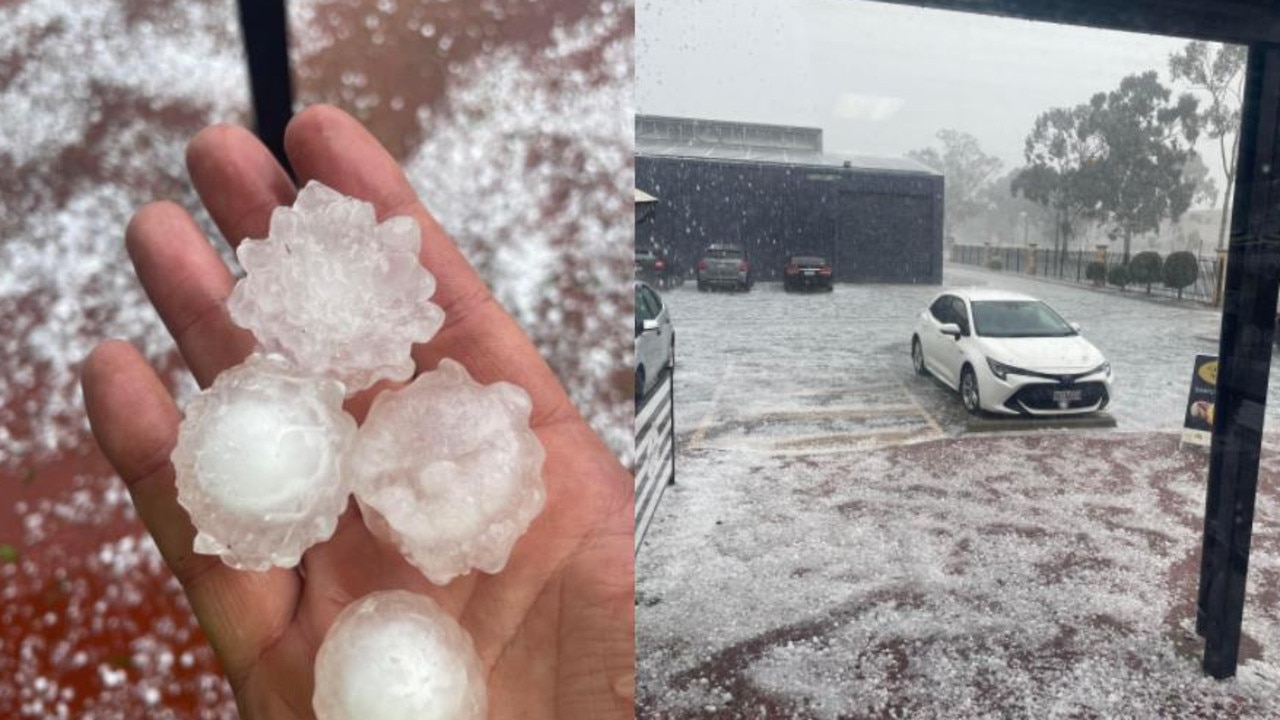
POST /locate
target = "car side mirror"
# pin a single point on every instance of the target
(1076, 326)
(951, 329)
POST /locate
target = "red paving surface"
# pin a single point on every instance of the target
(1028, 663)
(92, 624)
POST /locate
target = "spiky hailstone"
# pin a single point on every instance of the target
(448, 470)
(259, 463)
(396, 655)
(336, 292)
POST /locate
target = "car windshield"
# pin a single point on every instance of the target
(807, 260)
(1018, 318)
(716, 253)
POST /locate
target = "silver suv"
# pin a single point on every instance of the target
(724, 266)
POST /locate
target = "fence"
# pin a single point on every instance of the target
(1070, 266)
(655, 452)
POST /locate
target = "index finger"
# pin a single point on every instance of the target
(328, 145)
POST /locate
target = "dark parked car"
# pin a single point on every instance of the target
(806, 272)
(724, 266)
(655, 268)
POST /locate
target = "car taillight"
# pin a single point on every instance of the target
(825, 271)
(792, 269)
(702, 264)
(743, 266)
(659, 264)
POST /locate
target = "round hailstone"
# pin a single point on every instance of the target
(448, 470)
(335, 292)
(259, 463)
(397, 656)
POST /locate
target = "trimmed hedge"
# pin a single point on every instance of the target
(1119, 276)
(1181, 270)
(1145, 268)
(1096, 272)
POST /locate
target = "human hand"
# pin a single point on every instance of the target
(554, 629)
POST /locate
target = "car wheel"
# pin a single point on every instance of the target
(671, 353)
(639, 387)
(969, 391)
(702, 287)
(830, 288)
(917, 357)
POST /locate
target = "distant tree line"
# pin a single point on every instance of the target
(1124, 160)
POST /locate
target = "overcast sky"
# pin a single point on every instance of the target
(879, 79)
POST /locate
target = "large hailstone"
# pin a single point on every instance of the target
(335, 292)
(259, 463)
(448, 470)
(397, 655)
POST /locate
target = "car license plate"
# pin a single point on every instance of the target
(810, 272)
(1067, 396)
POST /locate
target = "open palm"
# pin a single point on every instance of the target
(554, 629)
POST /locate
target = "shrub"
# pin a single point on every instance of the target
(1144, 269)
(1096, 272)
(1119, 276)
(1180, 271)
(995, 265)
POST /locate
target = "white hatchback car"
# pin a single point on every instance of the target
(655, 339)
(1009, 354)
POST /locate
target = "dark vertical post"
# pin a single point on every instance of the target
(266, 44)
(1244, 362)
(671, 409)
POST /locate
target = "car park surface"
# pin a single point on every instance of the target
(872, 557)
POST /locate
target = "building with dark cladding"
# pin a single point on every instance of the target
(774, 191)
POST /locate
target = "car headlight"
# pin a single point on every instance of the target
(1001, 370)
(1104, 368)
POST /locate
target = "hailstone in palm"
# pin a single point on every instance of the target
(396, 655)
(449, 471)
(335, 292)
(260, 463)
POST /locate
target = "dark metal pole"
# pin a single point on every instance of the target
(671, 409)
(1244, 363)
(264, 24)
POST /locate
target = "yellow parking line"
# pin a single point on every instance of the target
(920, 406)
(833, 413)
(705, 425)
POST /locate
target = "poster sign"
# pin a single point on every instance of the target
(1197, 425)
